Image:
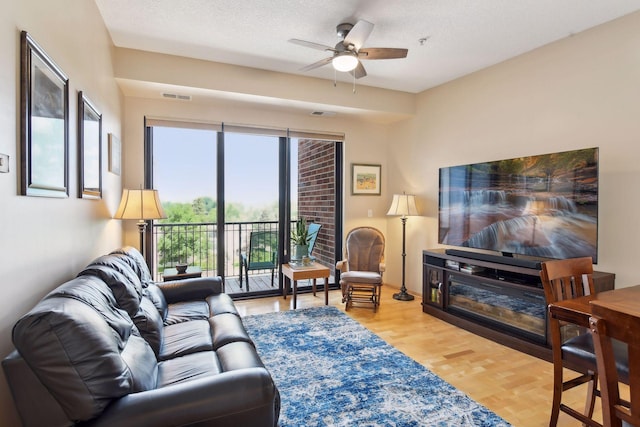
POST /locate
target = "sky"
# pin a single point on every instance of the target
(184, 162)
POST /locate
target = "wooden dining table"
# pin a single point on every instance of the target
(578, 310)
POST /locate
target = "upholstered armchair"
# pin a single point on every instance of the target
(361, 271)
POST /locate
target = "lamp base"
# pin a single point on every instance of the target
(403, 296)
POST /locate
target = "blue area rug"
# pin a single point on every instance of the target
(331, 371)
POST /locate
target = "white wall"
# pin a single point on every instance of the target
(44, 241)
(580, 92)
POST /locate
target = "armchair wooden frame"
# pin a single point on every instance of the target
(362, 269)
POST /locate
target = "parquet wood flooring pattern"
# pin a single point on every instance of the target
(514, 385)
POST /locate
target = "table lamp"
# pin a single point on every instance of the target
(403, 205)
(142, 205)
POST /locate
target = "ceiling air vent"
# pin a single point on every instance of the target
(323, 113)
(176, 96)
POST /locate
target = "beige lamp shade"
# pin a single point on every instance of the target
(403, 205)
(140, 204)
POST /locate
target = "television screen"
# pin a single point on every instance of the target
(541, 206)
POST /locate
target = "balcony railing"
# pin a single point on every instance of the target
(195, 244)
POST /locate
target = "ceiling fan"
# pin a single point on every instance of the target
(348, 52)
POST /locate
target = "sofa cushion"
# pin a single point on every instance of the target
(149, 324)
(187, 368)
(94, 292)
(138, 263)
(227, 328)
(221, 303)
(156, 296)
(185, 338)
(76, 354)
(118, 275)
(238, 355)
(187, 310)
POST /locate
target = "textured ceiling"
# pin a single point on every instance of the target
(463, 36)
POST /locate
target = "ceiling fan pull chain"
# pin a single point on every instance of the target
(354, 83)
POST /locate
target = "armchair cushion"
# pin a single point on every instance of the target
(361, 277)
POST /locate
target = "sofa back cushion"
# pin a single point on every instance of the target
(83, 349)
(121, 279)
(150, 324)
(155, 294)
(137, 260)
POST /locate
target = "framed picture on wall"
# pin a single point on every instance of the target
(89, 149)
(365, 179)
(44, 123)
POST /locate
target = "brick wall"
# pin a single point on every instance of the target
(316, 194)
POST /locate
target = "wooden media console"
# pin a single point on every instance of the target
(499, 298)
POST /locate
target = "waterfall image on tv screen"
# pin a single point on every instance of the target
(541, 206)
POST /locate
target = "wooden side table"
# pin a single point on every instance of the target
(314, 271)
(170, 274)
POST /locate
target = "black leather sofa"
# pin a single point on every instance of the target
(113, 348)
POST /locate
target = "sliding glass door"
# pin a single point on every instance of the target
(231, 195)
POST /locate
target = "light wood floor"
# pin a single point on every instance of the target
(514, 385)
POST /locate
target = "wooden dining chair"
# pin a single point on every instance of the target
(561, 280)
(611, 327)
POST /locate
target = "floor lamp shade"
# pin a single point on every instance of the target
(403, 205)
(142, 205)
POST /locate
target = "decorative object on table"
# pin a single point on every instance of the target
(115, 153)
(182, 268)
(365, 179)
(300, 239)
(89, 149)
(44, 123)
(143, 205)
(361, 277)
(403, 205)
(356, 377)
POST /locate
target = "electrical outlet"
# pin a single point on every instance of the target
(370, 213)
(4, 163)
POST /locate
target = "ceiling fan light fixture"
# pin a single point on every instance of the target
(345, 61)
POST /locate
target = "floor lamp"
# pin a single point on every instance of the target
(142, 205)
(403, 205)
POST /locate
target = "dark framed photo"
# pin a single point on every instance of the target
(89, 149)
(44, 123)
(365, 179)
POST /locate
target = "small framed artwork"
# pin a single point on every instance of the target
(365, 179)
(89, 149)
(44, 123)
(115, 150)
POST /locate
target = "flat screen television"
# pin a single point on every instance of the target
(543, 206)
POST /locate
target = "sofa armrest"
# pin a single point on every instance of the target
(341, 265)
(190, 289)
(246, 397)
(382, 267)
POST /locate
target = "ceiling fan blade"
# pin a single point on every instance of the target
(359, 34)
(359, 71)
(382, 53)
(318, 64)
(312, 45)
